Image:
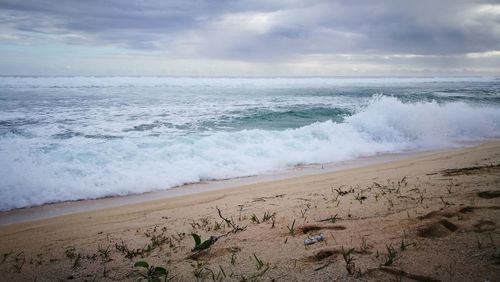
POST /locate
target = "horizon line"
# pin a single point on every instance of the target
(264, 76)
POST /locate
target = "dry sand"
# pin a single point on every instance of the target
(427, 218)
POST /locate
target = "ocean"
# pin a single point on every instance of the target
(73, 138)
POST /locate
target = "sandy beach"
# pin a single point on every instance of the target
(250, 140)
(430, 217)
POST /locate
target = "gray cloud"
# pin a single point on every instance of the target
(261, 30)
(449, 27)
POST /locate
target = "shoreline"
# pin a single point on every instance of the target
(51, 210)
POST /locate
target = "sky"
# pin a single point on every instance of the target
(249, 38)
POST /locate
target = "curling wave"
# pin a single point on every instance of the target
(36, 172)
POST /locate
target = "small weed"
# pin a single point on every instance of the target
(446, 203)
(331, 219)
(205, 222)
(77, 262)
(217, 226)
(364, 244)
(349, 260)
(303, 212)
(199, 271)
(342, 193)
(360, 198)
(180, 236)
(260, 263)
(267, 216)
(70, 253)
(152, 273)
(5, 255)
(199, 245)
(39, 260)
(254, 276)
(129, 253)
(217, 277)
(74, 257)
(230, 223)
(19, 262)
(105, 272)
(391, 255)
(156, 240)
(240, 210)
(255, 219)
(195, 225)
(403, 246)
(92, 257)
(403, 181)
(104, 253)
(222, 271)
(291, 229)
(121, 247)
(390, 202)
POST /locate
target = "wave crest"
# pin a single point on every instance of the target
(84, 168)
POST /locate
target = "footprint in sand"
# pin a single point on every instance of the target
(308, 228)
(438, 229)
(489, 194)
(209, 254)
(323, 254)
(484, 226)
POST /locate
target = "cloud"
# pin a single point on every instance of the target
(282, 31)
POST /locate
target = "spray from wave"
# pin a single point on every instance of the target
(36, 172)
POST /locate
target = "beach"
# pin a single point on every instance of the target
(250, 141)
(427, 217)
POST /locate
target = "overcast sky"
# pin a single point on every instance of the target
(254, 38)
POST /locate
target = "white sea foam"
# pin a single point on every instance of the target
(35, 171)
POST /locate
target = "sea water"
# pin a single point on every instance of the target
(71, 138)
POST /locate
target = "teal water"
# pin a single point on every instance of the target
(69, 138)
